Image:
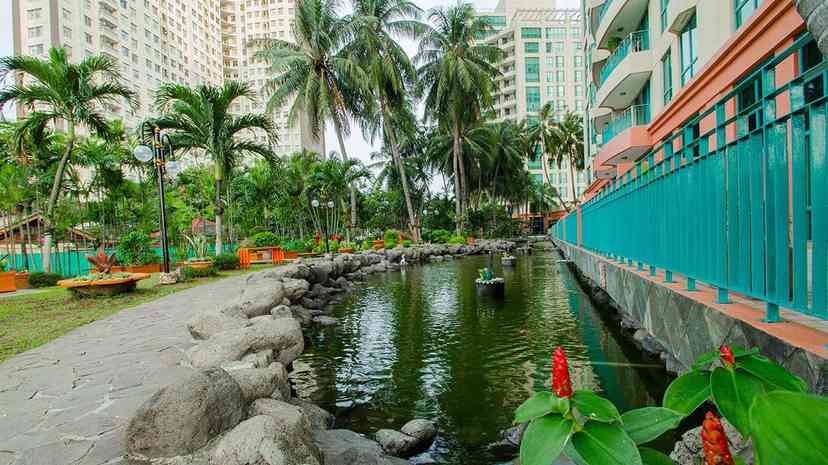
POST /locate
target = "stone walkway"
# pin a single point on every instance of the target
(69, 401)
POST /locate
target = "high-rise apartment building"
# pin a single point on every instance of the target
(244, 21)
(155, 41)
(544, 62)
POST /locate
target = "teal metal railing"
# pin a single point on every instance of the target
(636, 115)
(737, 197)
(603, 10)
(637, 41)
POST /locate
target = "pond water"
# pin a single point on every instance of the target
(422, 344)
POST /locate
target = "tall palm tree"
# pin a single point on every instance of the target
(568, 145)
(375, 26)
(542, 132)
(56, 92)
(324, 83)
(815, 14)
(200, 119)
(457, 77)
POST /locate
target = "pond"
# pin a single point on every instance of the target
(421, 343)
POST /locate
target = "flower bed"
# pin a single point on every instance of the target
(95, 285)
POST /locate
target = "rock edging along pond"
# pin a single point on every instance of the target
(238, 407)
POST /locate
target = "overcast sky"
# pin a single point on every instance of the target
(356, 145)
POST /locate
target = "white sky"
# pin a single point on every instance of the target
(357, 146)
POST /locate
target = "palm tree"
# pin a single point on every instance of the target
(457, 77)
(56, 92)
(200, 120)
(542, 132)
(324, 83)
(375, 25)
(568, 142)
(815, 13)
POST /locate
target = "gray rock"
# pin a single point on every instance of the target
(325, 320)
(423, 431)
(302, 314)
(319, 417)
(396, 443)
(183, 417)
(257, 383)
(263, 440)
(238, 365)
(209, 323)
(261, 359)
(283, 335)
(688, 450)
(343, 447)
(295, 289)
(259, 294)
(281, 311)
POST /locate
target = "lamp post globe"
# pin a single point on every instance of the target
(330, 204)
(173, 168)
(315, 203)
(143, 153)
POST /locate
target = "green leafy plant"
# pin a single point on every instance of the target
(3, 265)
(457, 240)
(266, 239)
(440, 236)
(189, 273)
(226, 261)
(485, 274)
(135, 248)
(199, 246)
(406, 243)
(40, 279)
(347, 245)
(756, 395)
(391, 235)
(294, 246)
(390, 244)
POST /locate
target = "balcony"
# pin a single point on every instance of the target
(594, 9)
(625, 137)
(625, 72)
(679, 12)
(618, 18)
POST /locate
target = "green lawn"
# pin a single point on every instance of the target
(31, 320)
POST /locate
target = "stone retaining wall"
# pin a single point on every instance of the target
(678, 327)
(238, 407)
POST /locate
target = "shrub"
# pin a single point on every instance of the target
(266, 239)
(406, 243)
(189, 273)
(2, 265)
(457, 240)
(390, 244)
(391, 235)
(440, 236)
(226, 261)
(41, 279)
(294, 246)
(135, 248)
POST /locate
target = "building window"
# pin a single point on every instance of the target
(579, 61)
(533, 99)
(550, 76)
(664, 5)
(579, 91)
(531, 47)
(689, 51)
(667, 77)
(556, 33)
(560, 76)
(579, 76)
(550, 91)
(561, 91)
(532, 69)
(559, 61)
(744, 10)
(579, 105)
(530, 33)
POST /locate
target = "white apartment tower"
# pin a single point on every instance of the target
(544, 62)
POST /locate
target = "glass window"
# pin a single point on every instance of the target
(559, 61)
(579, 60)
(533, 99)
(561, 91)
(560, 76)
(579, 91)
(744, 10)
(689, 50)
(550, 76)
(530, 33)
(579, 105)
(550, 91)
(664, 5)
(556, 33)
(579, 76)
(532, 69)
(667, 77)
(531, 47)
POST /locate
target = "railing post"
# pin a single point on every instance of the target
(640, 265)
(723, 297)
(691, 284)
(668, 276)
(772, 313)
(652, 270)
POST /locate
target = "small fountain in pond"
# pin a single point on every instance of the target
(488, 284)
(508, 260)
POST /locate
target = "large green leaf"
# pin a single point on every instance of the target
(790, 428)
(573, 454)
(544, 439)
(704, 360)
(645, 424)
(687, 392)
(654, 457)
(539, 405)
(605, 444)
(733, 391)
(772, 374)
(595, 407)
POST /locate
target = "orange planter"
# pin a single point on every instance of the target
(7, 281)
(470, 240)
(21, 280)
(379, 244)
(291, 255)
(200, 265)
(346, 250)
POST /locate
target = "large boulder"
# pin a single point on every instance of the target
(294, 289)
(343, 447)
(183, 417)
(264, 440)
(396, 443)
(423, 431)
(294, 427)
(282, 335)
(259, 294)
(209, 323)
(319, 417)
(257, 383)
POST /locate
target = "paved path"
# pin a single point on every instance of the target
(69, 401)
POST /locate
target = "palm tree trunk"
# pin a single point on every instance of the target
(544, 163)
(322, 142)
(395, 152)
(219, 208)
(458, 195)
(338, 129)
(45, 255)
(572, 176)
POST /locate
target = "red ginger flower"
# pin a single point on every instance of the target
(727, 356)
(714, 441)
(561, 384)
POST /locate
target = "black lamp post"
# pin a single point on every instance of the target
(160, 150)
(329, 205)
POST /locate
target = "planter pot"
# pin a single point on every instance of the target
(291, 255)
(21, 280)
(379, 245)
(7, 281)
(346, 250)
(470, 240)
(103, 287)
(151, 268)
(494, 287)
(197, 265)
(308, 255)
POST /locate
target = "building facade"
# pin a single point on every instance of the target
(189, 42)
(544, 62)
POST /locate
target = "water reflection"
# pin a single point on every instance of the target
(423, 344)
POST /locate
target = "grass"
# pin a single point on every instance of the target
(31, 320)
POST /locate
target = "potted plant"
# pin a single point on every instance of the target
(201, 259)
(103, 281)
(346, 247)
(21, 279)
(486, 283)
(6, 278)
(136, 253)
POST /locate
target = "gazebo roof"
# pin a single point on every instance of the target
(35, 221)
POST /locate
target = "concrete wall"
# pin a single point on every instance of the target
(682, 328)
